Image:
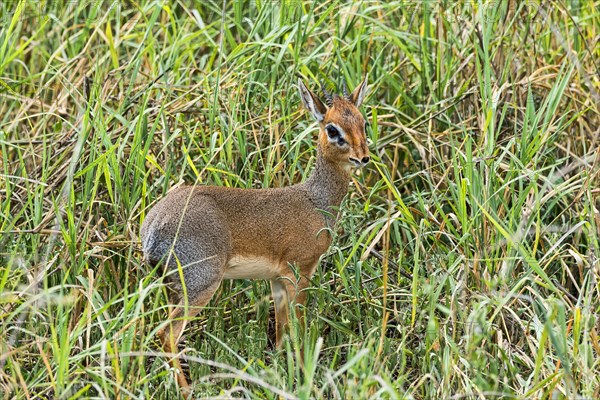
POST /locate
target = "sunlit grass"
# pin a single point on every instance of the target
(466, 260)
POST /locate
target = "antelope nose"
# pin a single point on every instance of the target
(359, 162)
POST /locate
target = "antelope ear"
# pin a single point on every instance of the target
(312, 102)
(359, 94)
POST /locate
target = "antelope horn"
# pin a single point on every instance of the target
(345, 88)
(328, 97)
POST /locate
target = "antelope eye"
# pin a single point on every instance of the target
(332, 131)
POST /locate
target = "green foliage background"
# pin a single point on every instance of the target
(466, 260)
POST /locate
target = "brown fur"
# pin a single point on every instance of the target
(205, 234)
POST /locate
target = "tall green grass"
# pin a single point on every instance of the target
(465, 263)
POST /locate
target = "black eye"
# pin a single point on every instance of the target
(332, 131)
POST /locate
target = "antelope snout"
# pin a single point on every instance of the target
(360, 162)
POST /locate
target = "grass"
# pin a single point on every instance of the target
(465, 263)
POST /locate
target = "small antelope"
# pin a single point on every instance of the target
(206, 234)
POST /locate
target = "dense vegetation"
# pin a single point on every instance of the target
(466, 261)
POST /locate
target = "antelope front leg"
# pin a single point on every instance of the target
(280, 298)
(285, 291)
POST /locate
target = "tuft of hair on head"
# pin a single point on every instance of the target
(318, 108)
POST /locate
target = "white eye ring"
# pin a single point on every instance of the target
(336, 135)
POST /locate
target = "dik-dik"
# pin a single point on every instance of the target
(204, 234)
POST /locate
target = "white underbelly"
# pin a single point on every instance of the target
(251, 267)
